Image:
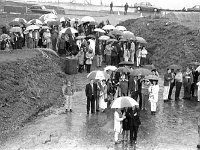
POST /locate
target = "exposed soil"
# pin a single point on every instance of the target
(168, 42)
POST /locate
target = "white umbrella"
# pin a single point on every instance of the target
(112, 68)
(49, 20)
(35, 21)
(88, 19)
(75, 19)
(101, 75)
(198, 69)
(124, 101)
(99, 30)
(50, 16)
(32, 27)
(128, 32)
(69, 30)
(104, 37)
(21, 20)
(141, 40)
(121, 28)
(16, 29)
(108, 27)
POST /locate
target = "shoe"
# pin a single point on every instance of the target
(66, 110)
(88, 113)
(198, 146)
(70, 110)
(97, 110)
(169, 99)
(135, 142)
(117, 142)
(166, 100)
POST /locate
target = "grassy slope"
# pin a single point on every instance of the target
(168, 42)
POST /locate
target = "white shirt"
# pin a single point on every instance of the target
(92, 45)
(144, 53)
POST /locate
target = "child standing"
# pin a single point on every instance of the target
(153, 95)
(68, 93)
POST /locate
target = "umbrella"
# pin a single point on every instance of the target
(112, 40)
(50, 16)
(126, 63)
(150, 67)
(123, 69)
(35, 21)
(93, 23)
(16, 29)
(87, 19)
(4, 36)
(128, 36)
(121, 28)
(69, 31)
(110, 35)
(49, 20)
(15, 23)
(45, 27)
(194, 63)
(91, 36)
(198, 69)
(80, 37)
(175, 67)
(152, 77)
(21, 20)
(32, 27)
(141, 40)
(53, 23)
(128, 32)
(116, 32)
(75, 19)
(101, 75)
(104, 37)
(112, 68)
(123, 40)
(108, 27)
(141, 71)
(99, 30)
(124, 101)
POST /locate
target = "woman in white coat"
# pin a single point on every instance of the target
(103, 96)
(153, 96)
(118, 124)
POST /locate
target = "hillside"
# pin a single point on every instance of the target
(168, 42)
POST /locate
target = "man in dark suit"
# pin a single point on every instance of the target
(133, 87)
(134, 122)
(91, 93)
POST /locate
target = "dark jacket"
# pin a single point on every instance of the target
(132, 86)
(134, 119)
(167, 79)
(88, 90)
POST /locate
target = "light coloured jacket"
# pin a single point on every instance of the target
(89, 58)
(117, 122)
(153, 93)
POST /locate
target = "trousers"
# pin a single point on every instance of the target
(165, 92)
(133, 133)
(99, 60)
(178, 89)
(68, 101)
(153, 106)
(90, 102)
(116, 136)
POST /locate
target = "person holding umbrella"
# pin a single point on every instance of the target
(187, 82)
(178, 83)
(167, 80)
(145, 93)
(153, 95)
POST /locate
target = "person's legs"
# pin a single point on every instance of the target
(88, 105)
(170, 90)
(134, 95)
(135, 133)
(98, 63)
(131, 134)
(97, 103)
(153, 106)
(66, 102)
(198, 96)
(92, 104)
(70, 103)
(165, 92)
(140, 100)
(178, 89)
(100, 60)
(116, 136)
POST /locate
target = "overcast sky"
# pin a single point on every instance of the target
(172, 4)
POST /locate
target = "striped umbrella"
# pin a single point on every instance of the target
(101, 75)
(124, 101)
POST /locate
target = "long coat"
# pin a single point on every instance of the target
(153, 90)
(88, 90)
(117, 122)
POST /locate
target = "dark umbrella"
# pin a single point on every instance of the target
(15, 23)
(91, 36)
(53, 23)
(175, 67)
(116, 32)
(141, 71)
(123, 69)
(150, 67)
(151, 77)
(126, 63)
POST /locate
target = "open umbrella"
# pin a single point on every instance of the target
(99, 30)
(15, 23)
(93, 23)
(88, 19)
(4, 36)
(121, 28)
(112, 68)
(194, 63)
(123, 40)
(32, 27)
(140, 71)
(50, 16)
(104, 37)
(75, 19)
(49, 20)
(101, 75)
(21, 20)
(128, 36)
(126, 63)
(80, 37)
(69, 31)
(53, 23)
(141, 40)
(35, 21)
(124, 101)
(151, 77)
(198, 69)
(123, 69)
(112, 40)
(109, 27)
(16, 29)
(116, 32)
(174, 66)
(91, 36)
(45, 27)
(150, 67)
